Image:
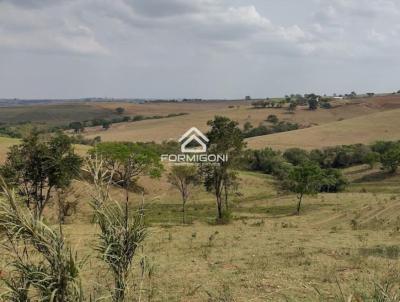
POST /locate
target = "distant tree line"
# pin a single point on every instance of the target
(79, 127)
(291, 102)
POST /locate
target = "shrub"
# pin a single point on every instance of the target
(296, 156)
(272, 118)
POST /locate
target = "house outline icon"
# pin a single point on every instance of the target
(193, 134)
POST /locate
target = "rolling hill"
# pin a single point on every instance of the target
(199, 113)
(365, 129)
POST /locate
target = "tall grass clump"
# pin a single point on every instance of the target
(121, 231)
(43, 267)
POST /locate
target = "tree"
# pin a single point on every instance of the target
(225, 137)
(128, 161)
(272, 118)
(296, 156)
(305, 179)
(119, 110)
(37, 168)
(292, 107)
(77, 127)
(106, 125)
(333, 181)
(371, 158)
(247, 127)
(184, 178)
(391, 159)
(312, 100)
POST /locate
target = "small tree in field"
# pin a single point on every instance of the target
(106, 125)
(225, 138)
(37, 168)
(183, 178)
(305, 179)
(391, 159)
(292, 107)
(313, 101)
(119, 110)
(371, 158)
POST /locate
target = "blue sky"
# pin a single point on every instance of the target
(197, 48)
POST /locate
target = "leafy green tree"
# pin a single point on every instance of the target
(184, 178)
(333, 181)
(128, 161)
(305, 179)
(37, 168)
(106, 124)
(391, 159)
(225, 138)
(119, 110)
(296, 156)
(77, 127)
(371, 158)
(312, 100)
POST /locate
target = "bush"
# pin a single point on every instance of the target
(296, 156)
(272, 118)
(225, 219)
(334, 181)
(391, 159)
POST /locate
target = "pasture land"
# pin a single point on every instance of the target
(365, 129)
(200, 112)
(60, 114)
(343, 242)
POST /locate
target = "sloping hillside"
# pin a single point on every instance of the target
(365, 129)
(200, 112)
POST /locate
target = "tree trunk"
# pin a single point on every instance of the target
(226, 198)
(183, 209)
(219, 207)
(300, 198)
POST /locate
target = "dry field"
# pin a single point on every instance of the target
(5, 144)
(365, 129)
(341, 242)
(199, 113)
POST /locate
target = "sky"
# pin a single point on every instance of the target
(197, 48)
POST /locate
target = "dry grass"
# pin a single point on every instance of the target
(200, 112)
(266, 254)
(364, 129)
(5, 144)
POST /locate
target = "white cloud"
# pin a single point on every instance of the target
(165, 43)
(27, 29)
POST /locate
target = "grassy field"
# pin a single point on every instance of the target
(5, 144)
(341, 242)
(200, 113)
(60, 114)
(365, 129)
